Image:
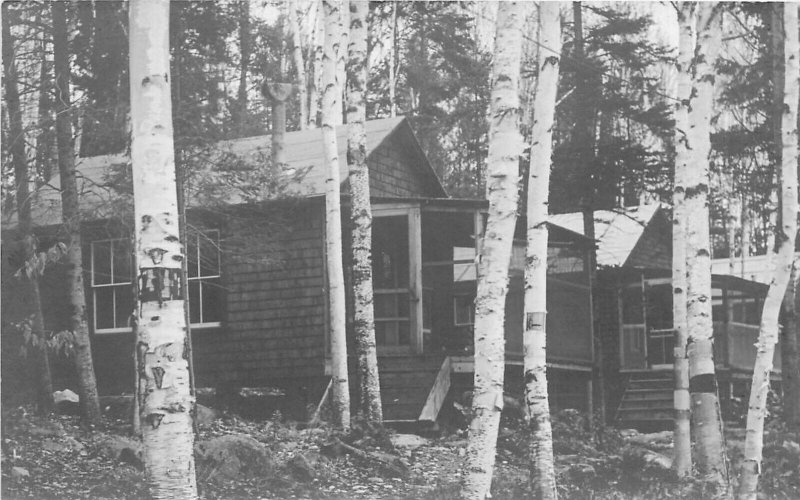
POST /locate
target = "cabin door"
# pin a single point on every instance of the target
(395, 281)
(633, 328)
(660, 335)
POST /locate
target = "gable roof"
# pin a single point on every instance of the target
(304, 172)
(617, 231)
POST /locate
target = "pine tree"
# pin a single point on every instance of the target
(167, 402)
(505, 146)
(543, 476)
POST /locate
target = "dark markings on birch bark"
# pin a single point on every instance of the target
(154, 420)
(535, 321)
(705, 382)
(158, 376)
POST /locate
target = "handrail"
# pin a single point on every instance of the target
(438, 393)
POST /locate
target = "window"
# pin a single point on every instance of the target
(112, 286)
(205, 291)
(464, 310)
(112, 282)
(390, 278)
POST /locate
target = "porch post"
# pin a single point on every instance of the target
(415, 276)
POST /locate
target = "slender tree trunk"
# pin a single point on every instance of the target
(505, 146)
(297, 52)
(361, 215)
(341, 64)
(44, 138)
(16, 134)
(87, 385)
(278, 93)
(790, 352)
(244, 54)
(785, 236)
(331, 101)
(687, 20)
(166, 399)
(543, 476)
(315, 81)
(393, 64)
(706, 419)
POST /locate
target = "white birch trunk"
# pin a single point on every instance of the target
(393, 64)
(706, 419)
(361, 215)
(314, 82)
(543, 477)
(297, 52)
(331, 99)
(341, 61)
(687, 20)
(165, 409)
(784, 252)
(505, 146)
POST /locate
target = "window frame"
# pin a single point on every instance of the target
(197, 234)
(199, 278)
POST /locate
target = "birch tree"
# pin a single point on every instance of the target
(505, 146)
(687, 19)
(297, 53)
(166, 400)
(361, 214)
(785, 235)
(315, 81)
(543, 477)
(393, 64)
(16, 146)
(706, 419)
(331, 101)
(78, 323)
(341, 61)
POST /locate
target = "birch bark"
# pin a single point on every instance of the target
(706, 419)
(166, 399)
(543, 478)
(44, 385)
(297, 52)
(783, 256)
(393, 64)
(331, 100)
(341, 60)
(84, 366)
(315, 81)
(361, 215)
(505, 146)
(687, 20)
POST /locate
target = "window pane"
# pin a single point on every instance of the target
(101, 256)
(209, 253)
(463, 309)
(191, 254)
(213, 304)
(390, 332)
(390, 252)
(403, 336)
(122, 261)
(402, 305)
(380, 333)
(385, 306)
(123, 305)
(194, 302)
(104, 308)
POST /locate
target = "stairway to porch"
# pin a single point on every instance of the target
(647, 403)
(406, 383)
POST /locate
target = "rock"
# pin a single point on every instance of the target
(45, 429)
(649, 457)
(651, 439)
(19, 473)
(628, 433)
(53, 446)
(303, 466)
(66, 402)
(410, 441)
(232, 457)
(122, 449)
(205, 416)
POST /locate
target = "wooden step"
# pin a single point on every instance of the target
(646, 414)
(646, 394)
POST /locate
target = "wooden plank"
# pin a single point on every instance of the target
(437, 394)
(415, 276)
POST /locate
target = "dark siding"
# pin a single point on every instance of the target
(396, 170)
(654, 248)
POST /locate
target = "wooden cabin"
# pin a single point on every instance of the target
(635, 294)
(257, 281)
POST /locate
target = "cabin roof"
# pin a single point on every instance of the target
(617, 231)
(304, 174)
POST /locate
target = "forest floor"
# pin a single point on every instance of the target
(237, 457)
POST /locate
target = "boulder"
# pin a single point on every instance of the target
(205, 416)
(122, 449)
(232, 457)
(66, 402)
(410, 441)
(19, 473)
(303, 466)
